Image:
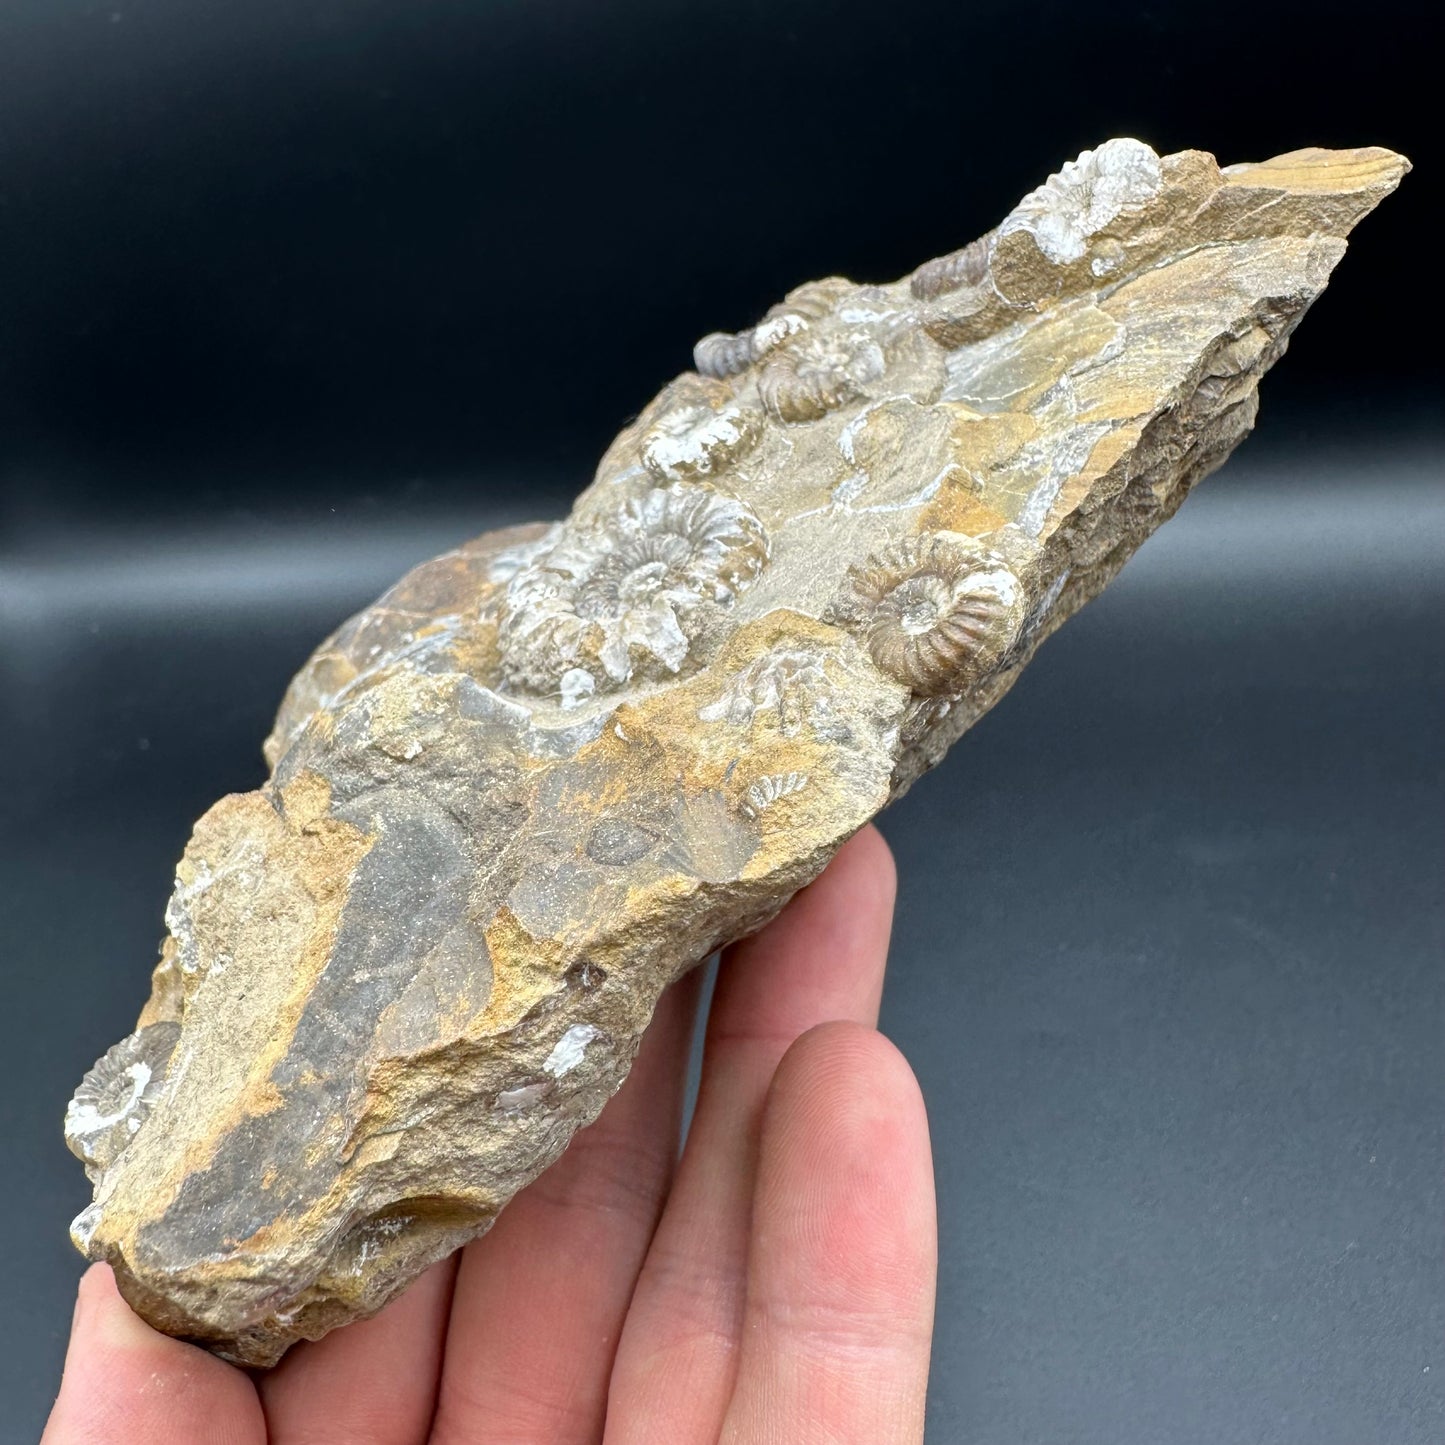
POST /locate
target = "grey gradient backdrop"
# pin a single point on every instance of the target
(293, 296)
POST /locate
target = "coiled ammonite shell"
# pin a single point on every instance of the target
(693, 440)
(936, 614)
(817, 372)
(115, 1096)
(614, 599)
(815, 299)
(965, 267)
(721, 353)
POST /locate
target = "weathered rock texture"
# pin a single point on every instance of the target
(549, 771)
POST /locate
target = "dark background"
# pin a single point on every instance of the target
(295, 294)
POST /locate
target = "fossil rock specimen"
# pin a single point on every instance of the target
(549, 771)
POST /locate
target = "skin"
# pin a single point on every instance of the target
(773, 1284)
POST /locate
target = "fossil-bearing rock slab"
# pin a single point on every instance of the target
(549, 771)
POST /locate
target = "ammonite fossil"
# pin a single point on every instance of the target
(115, 1096)
(816, 373)
(721, 354)
(694, 440)
(968, 266)
(612, 599)
(937, 613)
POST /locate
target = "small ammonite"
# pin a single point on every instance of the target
(937, 614)
(763, 792)
(614, 598)
(1084, 196)
(816, 299)
(695, 439)
(817, 372)
(965, 267)
(722, 354)
(116, 1095)
(780, 325)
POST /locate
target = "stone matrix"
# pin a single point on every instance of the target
(548, 772)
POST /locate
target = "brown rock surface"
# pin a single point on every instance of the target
(549, 771)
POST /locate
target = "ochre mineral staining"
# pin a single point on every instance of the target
(549, 771)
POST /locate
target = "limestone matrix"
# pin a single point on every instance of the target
(549, 771)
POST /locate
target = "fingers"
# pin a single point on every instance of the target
(372, 1383)
(127, 1384)
(822, 958)
(540, 1300)
(843, 1259)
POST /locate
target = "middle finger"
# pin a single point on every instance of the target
(821, 959)
(539, 1301)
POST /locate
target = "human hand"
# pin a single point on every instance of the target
(775, 1284)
